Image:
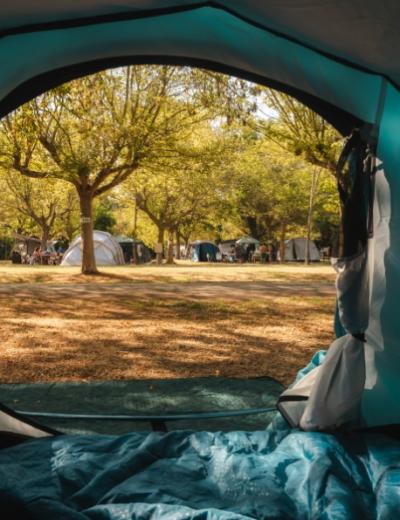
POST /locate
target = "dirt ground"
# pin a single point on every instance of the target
(162, 322)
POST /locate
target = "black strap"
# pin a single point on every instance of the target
(356, 192)
(370, 165)
(344, 156)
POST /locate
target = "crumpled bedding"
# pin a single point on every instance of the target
(272, 474)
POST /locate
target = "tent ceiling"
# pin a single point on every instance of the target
(63, 45)
(364, 32)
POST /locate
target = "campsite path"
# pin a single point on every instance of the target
(189, 290)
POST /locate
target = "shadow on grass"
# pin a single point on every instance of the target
(113, 337)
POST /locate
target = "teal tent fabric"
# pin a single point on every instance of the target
(204, 34)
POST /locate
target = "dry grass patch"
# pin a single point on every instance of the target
(48, 336)
(182, 271)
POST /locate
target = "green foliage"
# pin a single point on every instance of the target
(300, 131)
(6, 245)
(34, 205)
(168, 150)
(179, 193)
(104, 218)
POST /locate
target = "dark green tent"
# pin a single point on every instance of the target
(143, 253)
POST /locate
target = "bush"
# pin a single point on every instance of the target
(6, 245)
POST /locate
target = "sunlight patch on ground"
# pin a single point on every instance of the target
(113, 331)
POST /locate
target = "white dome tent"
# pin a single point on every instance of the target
(107, 250)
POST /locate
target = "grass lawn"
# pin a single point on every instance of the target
(182, 271)
(162, 322)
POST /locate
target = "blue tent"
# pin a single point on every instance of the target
(339, 58)
(203, 251)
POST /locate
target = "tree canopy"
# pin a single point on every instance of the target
(183, 153)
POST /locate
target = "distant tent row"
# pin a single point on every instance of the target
(205, 251)
(120, 250)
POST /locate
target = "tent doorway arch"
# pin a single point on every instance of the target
(175, 35)
(340, 119)
(338, 73)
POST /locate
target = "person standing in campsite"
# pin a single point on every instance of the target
(35, 258)
(263, 253)
(231, 255)
(239, 253)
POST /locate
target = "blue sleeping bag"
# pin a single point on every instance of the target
(207, 476)
(182, 475)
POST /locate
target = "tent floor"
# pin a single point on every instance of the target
(147, 397)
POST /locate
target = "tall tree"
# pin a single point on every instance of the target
(299, 130)
(96, 131)
(267, 195)
(315, 176)
(178, 192)
(41, 201)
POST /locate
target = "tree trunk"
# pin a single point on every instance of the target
(88, 258)
(160, 244)
(178, 245)
(69, 230)
(135, 249)
(308, 237)
(45, 237)
(186, 240)
(268, 243)
(282, 243)
(313, 191)
(170, 252)
(270, 252)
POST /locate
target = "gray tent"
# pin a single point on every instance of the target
(295, 250)
(227, 249)
(127, 244)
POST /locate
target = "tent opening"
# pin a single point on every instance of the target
(273, 190)
(131, 322)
